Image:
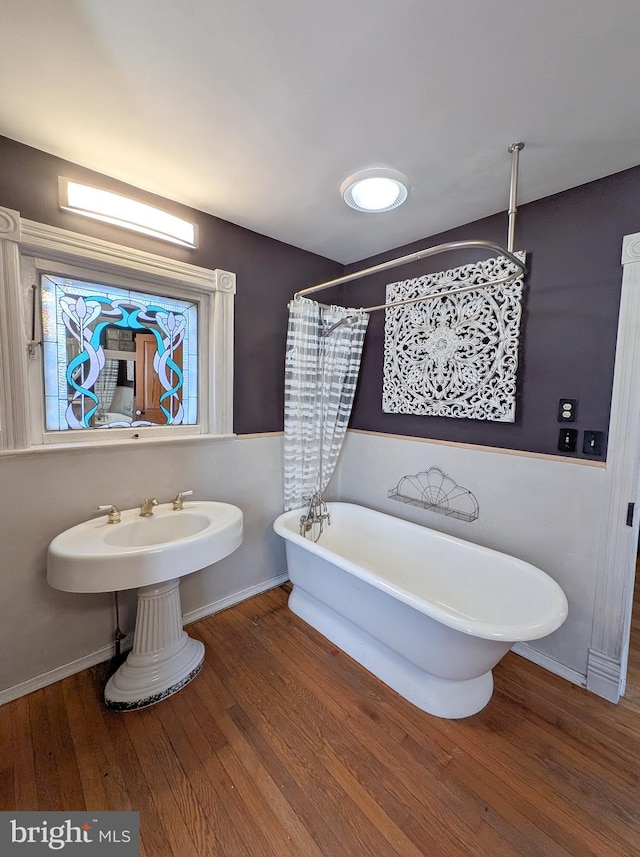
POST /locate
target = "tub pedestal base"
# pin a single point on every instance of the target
(437, 696)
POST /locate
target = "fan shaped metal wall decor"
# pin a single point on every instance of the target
(433, 490)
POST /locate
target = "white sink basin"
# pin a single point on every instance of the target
(96, 556)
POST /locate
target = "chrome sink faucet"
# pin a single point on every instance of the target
(146, 508)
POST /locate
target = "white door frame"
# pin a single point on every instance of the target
(607, 660)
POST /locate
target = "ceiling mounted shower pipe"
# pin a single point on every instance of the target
(514, 150)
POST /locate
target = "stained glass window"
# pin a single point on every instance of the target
(115, 357)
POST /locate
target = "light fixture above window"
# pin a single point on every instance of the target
(375, 190)
(121, 211)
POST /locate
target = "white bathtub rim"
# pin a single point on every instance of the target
(517, 632)
(440, 697)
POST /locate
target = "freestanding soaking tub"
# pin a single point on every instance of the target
(428, 614)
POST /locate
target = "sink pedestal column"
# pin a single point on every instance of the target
(163, 659)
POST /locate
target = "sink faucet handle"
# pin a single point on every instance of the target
(114, 513)
(177, 500)
(146, 508)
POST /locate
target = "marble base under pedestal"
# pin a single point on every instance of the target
(163, 659)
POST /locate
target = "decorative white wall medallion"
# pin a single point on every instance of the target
(454, 356)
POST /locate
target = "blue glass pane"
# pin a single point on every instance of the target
(51, 412)
(191, 411)
(50, 357)
(192, 336)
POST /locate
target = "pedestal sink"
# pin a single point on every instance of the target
(149, 554)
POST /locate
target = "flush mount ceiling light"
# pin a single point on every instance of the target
(375, 189)
(120, 211)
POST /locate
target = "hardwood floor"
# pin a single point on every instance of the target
(632, 695)
(283, 746)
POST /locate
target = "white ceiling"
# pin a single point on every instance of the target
(256, 110)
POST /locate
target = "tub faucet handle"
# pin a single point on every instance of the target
(146, 508)
(114, 513)
(177, 500)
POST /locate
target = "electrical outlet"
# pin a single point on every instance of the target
(592, 443)
(567, 409)
(567, 440)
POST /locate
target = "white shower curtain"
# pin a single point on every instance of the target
(321, 373)
(105, 386)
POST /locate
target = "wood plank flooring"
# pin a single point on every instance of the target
(632, 694)
(284, 747)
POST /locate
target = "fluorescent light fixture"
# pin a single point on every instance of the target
(375, 189)
(120, 211)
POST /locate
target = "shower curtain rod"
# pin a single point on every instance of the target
(514, 150)
(423, 254)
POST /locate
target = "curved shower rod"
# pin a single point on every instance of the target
(423, 254)
(514, 150)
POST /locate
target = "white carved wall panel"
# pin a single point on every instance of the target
(454, 356)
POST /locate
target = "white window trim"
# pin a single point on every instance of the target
(215, 288)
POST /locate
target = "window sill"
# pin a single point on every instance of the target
(122, 444)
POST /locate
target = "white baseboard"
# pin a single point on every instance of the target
(40, 681)
(549, 664)
(90, 660)
(234, 598)
(603, 676)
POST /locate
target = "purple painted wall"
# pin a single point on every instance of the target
(572, 291)
(573, 242)
(268, 271)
